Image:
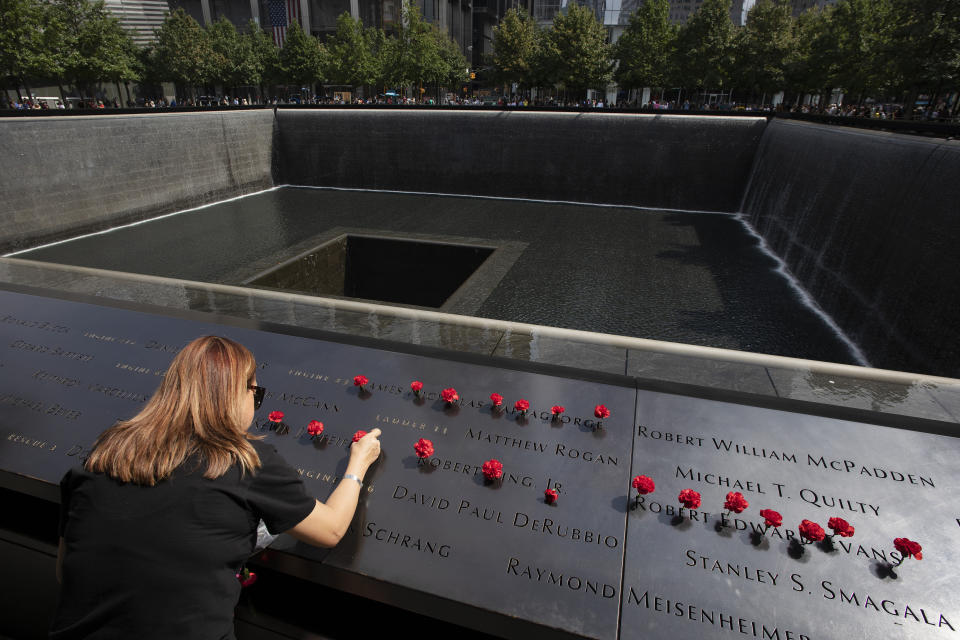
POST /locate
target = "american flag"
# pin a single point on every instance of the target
(282, 14)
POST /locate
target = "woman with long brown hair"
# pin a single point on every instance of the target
(156, 524)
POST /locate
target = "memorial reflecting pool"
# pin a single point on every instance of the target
(697, 278)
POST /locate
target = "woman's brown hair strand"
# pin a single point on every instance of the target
(196, 409)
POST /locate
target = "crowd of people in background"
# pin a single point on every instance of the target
(939, 112)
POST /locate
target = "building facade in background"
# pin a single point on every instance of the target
(318, 17)
(615, 14)
(486, 15)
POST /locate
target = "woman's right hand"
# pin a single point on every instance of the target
(365, 451)
(328, 522)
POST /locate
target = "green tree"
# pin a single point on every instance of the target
(765, 48)
(421, 48)
(579, 46)
(233, 63)
(809, 71)
(860, 29)
(643, 50)
(183, 53)
(454, 68)
(381, 52)
(350, 59)
(412, 54)
(92, 46)
(544, 67)
(301, 58)
(704, 54)
(924, 48)
(515, 45)
(264, 56)
(132, 70)
(24, 53)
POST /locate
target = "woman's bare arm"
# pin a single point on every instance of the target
(327, 523)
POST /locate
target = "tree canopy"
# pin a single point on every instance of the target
(704, 54)
(895, 49)
(22, 49)
(515, 46)
(765, 47)
(578, 44)
(644, 49)
(352, 59)
(302, 57)
(183, 53)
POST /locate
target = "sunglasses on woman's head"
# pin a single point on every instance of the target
(258, 393)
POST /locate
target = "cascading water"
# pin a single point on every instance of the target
(864, 221)
(867, 223)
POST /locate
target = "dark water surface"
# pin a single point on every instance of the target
(684, 277)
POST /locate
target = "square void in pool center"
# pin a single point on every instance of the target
(387, 269)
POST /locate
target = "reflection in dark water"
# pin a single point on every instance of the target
(683, 277)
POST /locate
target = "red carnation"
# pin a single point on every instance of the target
(690, 498)
(908, 547)
(840, 527)
(521, 406)
(416, 386)
(360, 381)
(735, 502)
(557, 410)
(601, 412)
(492, 469)
(275, 416)
(643, 484)
(550, 496)
(315, 428)
(771, 518)
(811, 531)
(359, 434)
(424, 448)
(496, 399)
(246, 577)
(449, 395)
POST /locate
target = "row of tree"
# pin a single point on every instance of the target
(878, 48)
(80, 42)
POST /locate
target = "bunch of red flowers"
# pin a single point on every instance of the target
(811, 531)
(908, 548)
(521, 405)
(492, 469)
(771, 518)
(424, 448)
(689, 498)
(840, 527)
(246, 577)
(735, 502)
(643, 485)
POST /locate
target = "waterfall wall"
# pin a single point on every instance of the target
(869, 223)
(676, 162)
(60, 176)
